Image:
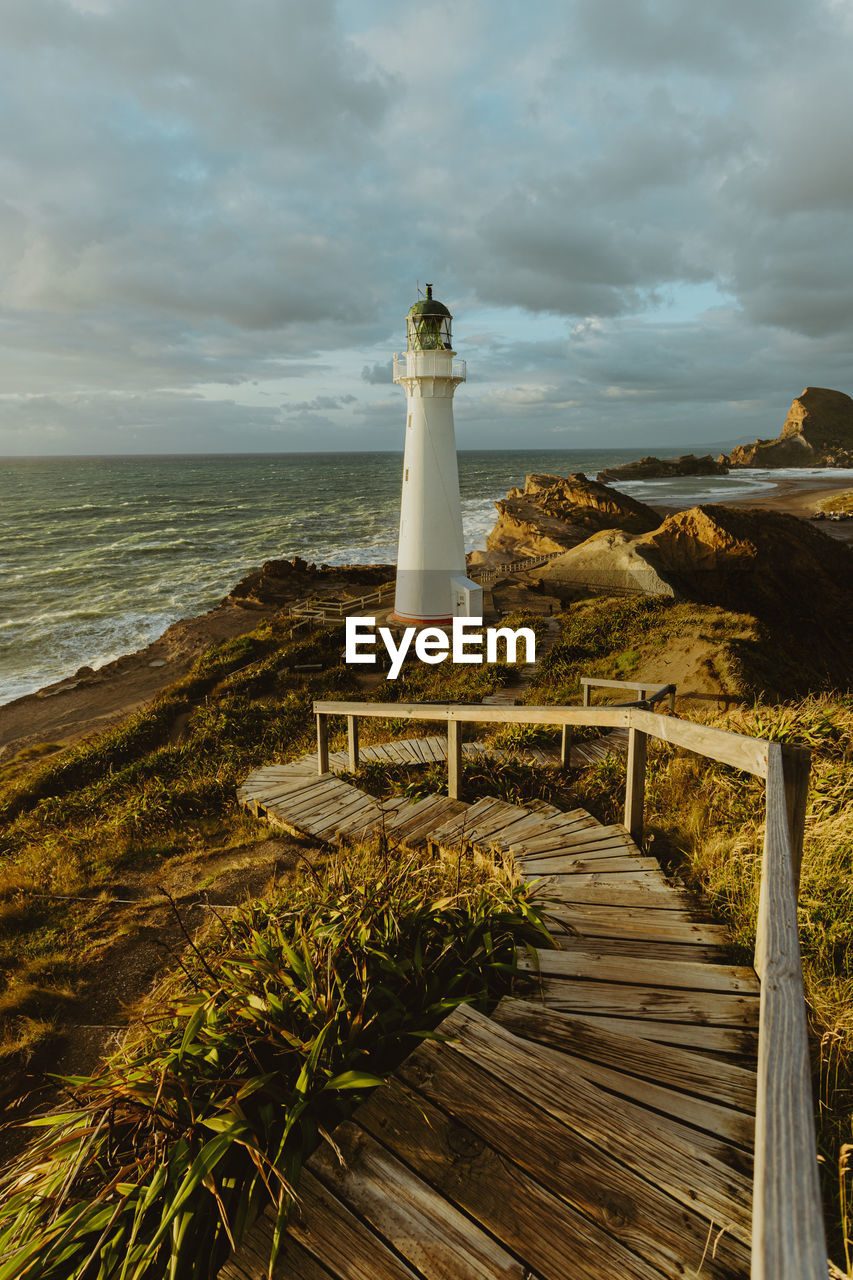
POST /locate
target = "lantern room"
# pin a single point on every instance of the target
(428, 325)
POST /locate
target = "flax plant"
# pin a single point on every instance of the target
(279, 1022)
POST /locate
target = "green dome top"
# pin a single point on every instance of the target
(428, 306)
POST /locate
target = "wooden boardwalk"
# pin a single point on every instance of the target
(598, 1124)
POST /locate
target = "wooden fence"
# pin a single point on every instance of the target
(787, 1231)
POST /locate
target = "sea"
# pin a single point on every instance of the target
(99, 555)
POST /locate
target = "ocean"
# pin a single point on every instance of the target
(99, 555)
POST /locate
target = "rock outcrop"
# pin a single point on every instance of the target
(781, 570)
(612, 562)
(818, 432)
(280, 582)
(649, 468)
(554, 513)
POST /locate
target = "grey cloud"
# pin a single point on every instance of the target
(377, 373)
(201, 194)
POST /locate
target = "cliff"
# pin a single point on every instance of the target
(649, 468)
(781, 570)
(554, 513)
(818, 432)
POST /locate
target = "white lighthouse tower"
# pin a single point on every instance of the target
(432, 586)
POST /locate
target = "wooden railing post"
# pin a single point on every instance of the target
(586, 695)
(352, 742)
(322, 743)
(635, 784)
(796, 766)
(566, 746)
(454, 759)
(787, 1217)
(672, 700)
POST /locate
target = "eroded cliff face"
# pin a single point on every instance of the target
(818, 432)
(554, 513)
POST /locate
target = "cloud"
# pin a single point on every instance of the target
(220, 214)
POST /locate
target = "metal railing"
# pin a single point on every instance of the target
(429, 364)
(487, 573)
(788, 1241)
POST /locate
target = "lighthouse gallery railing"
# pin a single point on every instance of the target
(430, 364)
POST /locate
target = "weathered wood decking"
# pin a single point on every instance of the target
(598, 1124)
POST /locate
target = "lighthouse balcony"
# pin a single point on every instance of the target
(429, 364)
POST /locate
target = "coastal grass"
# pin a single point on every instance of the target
(137, 798)
(276, 1026)
(616, 637)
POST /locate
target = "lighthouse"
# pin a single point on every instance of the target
(432, 585)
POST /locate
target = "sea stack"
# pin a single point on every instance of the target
(432, 585)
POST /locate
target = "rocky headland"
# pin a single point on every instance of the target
(650, 468)
(775, 567)
(555, 513)
(818, 432)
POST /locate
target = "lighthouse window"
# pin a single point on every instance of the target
(409, 421)
(405, 478)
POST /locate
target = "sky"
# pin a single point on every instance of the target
(214, 217)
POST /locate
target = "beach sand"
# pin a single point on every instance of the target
(799, 496)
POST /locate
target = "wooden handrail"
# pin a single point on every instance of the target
(788, 1241)
(649, 690)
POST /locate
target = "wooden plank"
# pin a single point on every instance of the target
(727, 1040)
(627, 922)
(543, 1229)
(322, 743)
(337, 1238)
(679, 1068)
(352, 743)
(609, 861)
(439, 1241)
(298, 798)
(635, 786)
(352, 820)
(620, 1201)
(627, 948)
(302, 806)
(796, 765)
(556, 833)
(658, 686)
(324, 823)
(789, 1239)
(650, 882)
(251, 1260)
(592, 964)
(522, 828)
(663, 1004)
(421, 817)
(278, 790)
(611, 896)
(692, 1167)
(583, 838)
(735, 749)
(478, 713)
(456, 828)
(454, 760)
